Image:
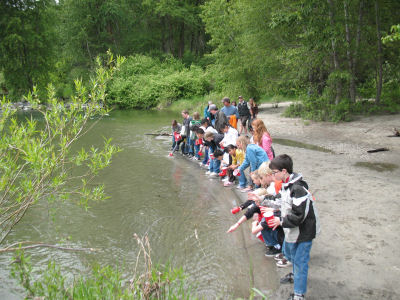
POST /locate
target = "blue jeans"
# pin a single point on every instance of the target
(196, 151)
(270, 236)
(205, 160)
(214, 165)
(173, 142)
(189, 145)
(242, 180)
(299, 255)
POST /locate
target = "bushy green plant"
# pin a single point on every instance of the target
(320, 109)
(144, 82)
(37, 161)
(103, 282)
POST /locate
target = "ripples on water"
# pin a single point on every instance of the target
(184, 213)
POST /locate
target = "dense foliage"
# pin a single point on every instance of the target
(145, 82)
(330, 54)
(156, 282)
(37, 158)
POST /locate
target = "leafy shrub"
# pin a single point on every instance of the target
(320, 109)
(143, 82)
(161, 282)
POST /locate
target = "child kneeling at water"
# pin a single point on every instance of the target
(299, 220)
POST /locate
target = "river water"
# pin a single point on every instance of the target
(184, 213)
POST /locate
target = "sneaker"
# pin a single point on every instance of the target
(283, 263)
(213, 174)
(279, 256)
(272, 251)
(240, 188)
(195, 158)
(225, 179)
(208, 173)
(296, 297)
(228, 183)
(288, 278)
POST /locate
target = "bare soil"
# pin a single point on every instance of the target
(356, 256)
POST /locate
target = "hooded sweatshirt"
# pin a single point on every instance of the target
(299, 217)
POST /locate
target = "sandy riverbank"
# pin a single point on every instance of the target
(358, 198)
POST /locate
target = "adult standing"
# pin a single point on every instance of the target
(186, 123)
(207, 113)
(220, 118)
(262, 137)
(230, 112)
(244, 114)
(253, 111)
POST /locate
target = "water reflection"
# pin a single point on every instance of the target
(184, 213)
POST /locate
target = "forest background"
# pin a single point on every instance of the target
(337, 57)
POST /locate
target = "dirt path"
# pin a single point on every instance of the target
(358, 197)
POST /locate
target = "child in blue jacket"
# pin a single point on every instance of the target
(254, 157)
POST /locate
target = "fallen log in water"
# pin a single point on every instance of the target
(377, 150)
(159, 134)
(396, 133)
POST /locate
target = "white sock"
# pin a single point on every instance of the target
(277, 246)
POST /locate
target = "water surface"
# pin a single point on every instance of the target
(184, 213)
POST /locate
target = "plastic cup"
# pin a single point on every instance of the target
(200, 153)
(269, 215)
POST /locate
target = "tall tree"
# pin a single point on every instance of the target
(26, 43)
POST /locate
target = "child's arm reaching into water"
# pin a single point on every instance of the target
(237, 224)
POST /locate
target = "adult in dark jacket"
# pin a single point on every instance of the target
(244, 114)
(220, 118)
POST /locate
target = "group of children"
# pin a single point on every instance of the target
(279, 202)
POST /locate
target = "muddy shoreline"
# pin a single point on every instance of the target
(358, 198)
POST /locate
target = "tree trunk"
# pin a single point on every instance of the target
(379, 62)
(171, 48)
(358, 39)
(334, 54)
(349, 54)
(192, 38)
(163, 30)
(182, 41)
